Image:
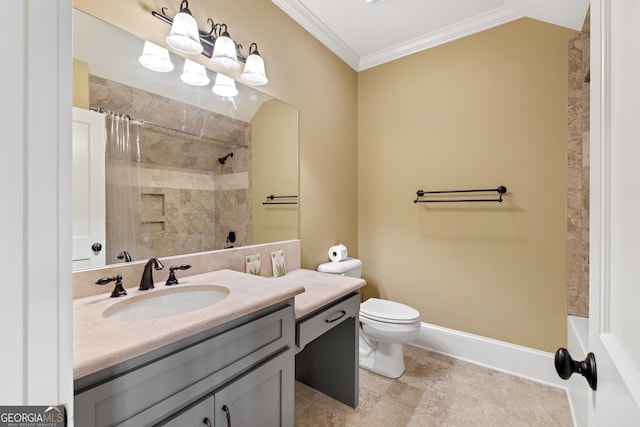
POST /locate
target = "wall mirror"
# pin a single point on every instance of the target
(199, 172)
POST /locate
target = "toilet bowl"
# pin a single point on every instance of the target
(385, 326)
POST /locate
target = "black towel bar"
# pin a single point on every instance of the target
(271, 198)
(420, 193)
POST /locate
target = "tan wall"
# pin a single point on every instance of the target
(486, 110)
(274, 171)
(80, 84)
(301, 72)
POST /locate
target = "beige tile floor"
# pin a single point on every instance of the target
(437, 390)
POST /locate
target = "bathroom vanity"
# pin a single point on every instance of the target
(233, 363)
(245, 367)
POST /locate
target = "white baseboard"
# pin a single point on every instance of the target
(525, 362)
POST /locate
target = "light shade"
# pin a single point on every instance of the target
(224, 55)
(194, 74)
(184, 36)
(254, 73)
(224, 86)
(155, 58)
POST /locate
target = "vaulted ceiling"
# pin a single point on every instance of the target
(366, 33)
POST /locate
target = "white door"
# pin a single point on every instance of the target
(88, 177)
(614, 323)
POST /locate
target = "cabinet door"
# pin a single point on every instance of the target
(263, 397)
(198, 415)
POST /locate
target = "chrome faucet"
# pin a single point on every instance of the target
(146, 282)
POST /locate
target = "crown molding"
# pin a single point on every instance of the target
(569, 13)
(303, 16)
(316, 28)
(471, 26)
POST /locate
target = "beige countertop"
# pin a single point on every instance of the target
(320, 289)
(100, 343)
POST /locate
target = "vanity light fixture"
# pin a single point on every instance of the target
(184, 36)
(224, 56)
(224, 52)
(254, 73)
(194, 74)
(155, 58)
(224, 86)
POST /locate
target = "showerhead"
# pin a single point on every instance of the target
(224, 159)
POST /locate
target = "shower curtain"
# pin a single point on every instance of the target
(122, 188)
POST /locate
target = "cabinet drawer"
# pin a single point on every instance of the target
(329, 317)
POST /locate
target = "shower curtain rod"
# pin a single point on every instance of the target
(145, 122)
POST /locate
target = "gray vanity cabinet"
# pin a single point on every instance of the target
(246, 365)
(327, 350)
(247, 401)
(254, 399)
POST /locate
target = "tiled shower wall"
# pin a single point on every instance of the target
(188, 201)
(578, 175)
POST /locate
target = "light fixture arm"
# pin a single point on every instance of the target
(184, 7)
(207, 39)
(253, 49)
(223, 31)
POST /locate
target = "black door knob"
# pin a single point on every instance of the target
(566, 366)
(96, 247)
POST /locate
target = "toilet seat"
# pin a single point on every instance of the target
(386, 311)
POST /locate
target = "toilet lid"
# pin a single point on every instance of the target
(388, 311)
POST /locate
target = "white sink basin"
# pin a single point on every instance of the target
(156, 304)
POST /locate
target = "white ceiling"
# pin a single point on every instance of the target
(365, 34)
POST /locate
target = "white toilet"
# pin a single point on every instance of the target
(384, 325)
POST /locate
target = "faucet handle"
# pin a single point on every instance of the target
(118, 290)
(172, 275)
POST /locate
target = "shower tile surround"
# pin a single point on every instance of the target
(578, 175)
(188, 202)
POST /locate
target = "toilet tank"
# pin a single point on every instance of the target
(351, 267)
